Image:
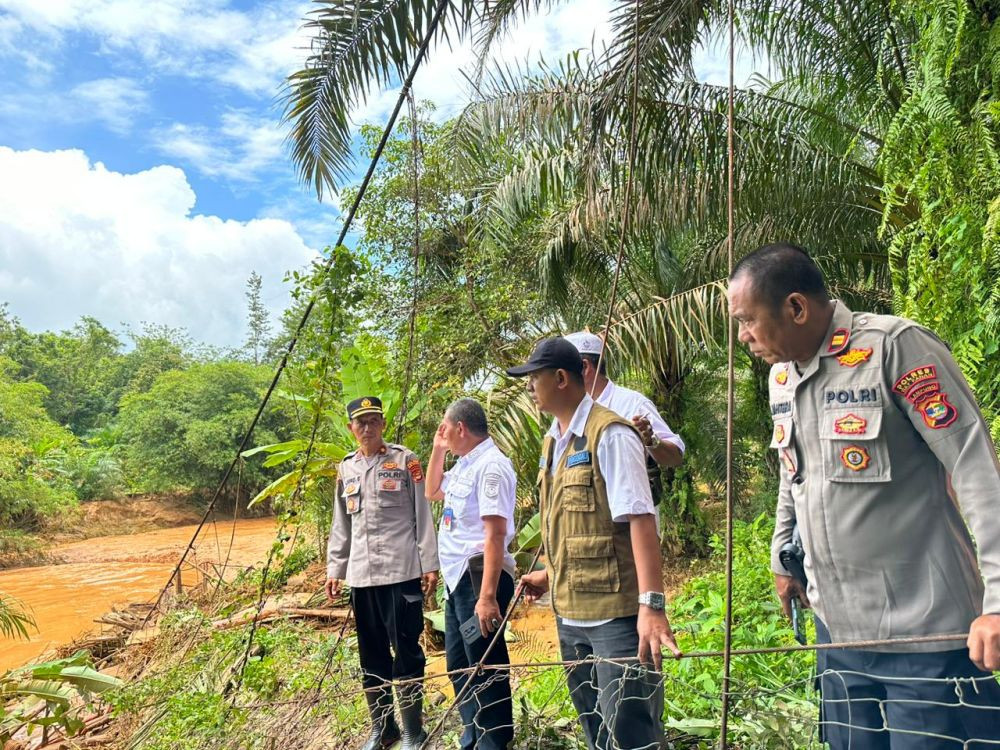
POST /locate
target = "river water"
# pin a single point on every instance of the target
(100, 572)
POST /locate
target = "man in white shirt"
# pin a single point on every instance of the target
(662, 444)
(477, 526)
(602, 553)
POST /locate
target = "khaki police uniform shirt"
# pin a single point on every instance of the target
(883, 450)
(382, 529)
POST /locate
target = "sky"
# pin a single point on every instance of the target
(143, 169)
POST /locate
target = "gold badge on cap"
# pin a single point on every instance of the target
(365, 403)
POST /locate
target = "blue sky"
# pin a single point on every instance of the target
(143, 174)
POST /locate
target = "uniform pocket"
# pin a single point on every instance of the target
(593, 565)
(578, 489)
(457, 496)
(854, 448)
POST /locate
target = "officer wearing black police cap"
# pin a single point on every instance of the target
(382, 544)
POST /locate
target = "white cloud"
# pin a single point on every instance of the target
(77, 239)
(241, 147)
(114, 101)
(441, 78)
(252, 50)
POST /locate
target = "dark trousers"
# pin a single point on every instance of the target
(389, 616)
(617, 703)
(873, 700)
(486, 711)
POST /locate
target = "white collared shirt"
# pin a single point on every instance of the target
(628, 403)
(622, 459)
(481, 483)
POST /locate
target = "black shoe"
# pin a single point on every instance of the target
(411, 710)
(385, 732)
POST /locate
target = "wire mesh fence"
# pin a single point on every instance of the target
(557, 704)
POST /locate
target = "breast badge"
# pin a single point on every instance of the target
(854, 357)
(852, 424)
(855, 458)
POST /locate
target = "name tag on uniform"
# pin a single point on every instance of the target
(578, 459)
(448, 519)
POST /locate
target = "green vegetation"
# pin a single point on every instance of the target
(874, 144)
(52, 694)
(87, 414)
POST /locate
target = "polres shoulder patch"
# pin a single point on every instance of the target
(413, 466)
(911, 378)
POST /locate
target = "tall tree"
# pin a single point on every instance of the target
(258, 320)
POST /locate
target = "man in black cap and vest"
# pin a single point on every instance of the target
(603, 562)
(382, 543)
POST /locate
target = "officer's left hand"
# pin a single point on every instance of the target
(488, 612)
(430, 582)
(654, 634)
(984, 642)
(644, 427)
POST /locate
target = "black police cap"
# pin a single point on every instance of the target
(364, 405)
(551, 354)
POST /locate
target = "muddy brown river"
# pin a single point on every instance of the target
(100, 572)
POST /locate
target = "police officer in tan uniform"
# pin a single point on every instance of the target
(382, 543)
(883, 451)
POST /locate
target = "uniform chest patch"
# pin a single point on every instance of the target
(579, 443)
(855, 458)
(854, 357)
(851, 424)
(850, 396)
(351, 488)
(390, 465)
(384, 473)
(781, 377)
(779, 433)
(389, 485)
(353, 505)
(783, 407)
(937, 411)
(578, 459)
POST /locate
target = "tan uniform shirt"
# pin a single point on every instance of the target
(382, 529)
(869, 433)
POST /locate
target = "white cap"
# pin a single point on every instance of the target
(586, 342)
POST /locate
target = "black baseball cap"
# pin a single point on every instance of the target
(551, 354)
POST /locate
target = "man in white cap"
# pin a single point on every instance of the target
(663, 445)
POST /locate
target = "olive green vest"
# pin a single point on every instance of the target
(589, 556)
